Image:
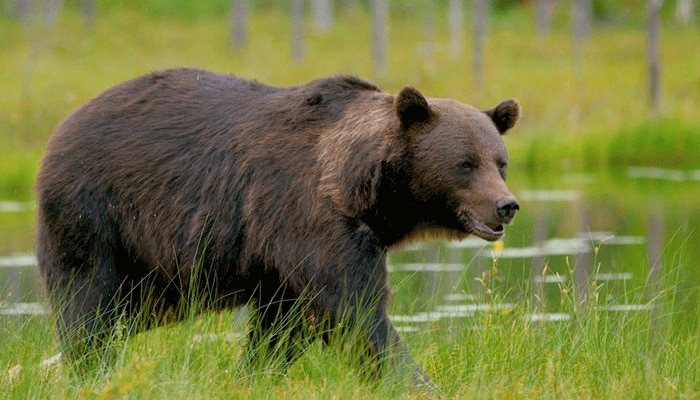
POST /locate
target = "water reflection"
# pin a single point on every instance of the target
(18, 260)
(22, 309)
(624, 238)
(621, 244)
(15, 206)
(450, 311)
(507, 268)
(663, 174)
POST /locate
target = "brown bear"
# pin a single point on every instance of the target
(185, 181)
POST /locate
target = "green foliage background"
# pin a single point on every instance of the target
(598, 117)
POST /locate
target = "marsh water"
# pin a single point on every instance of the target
(623, 240)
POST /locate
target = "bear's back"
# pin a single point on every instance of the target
(193, 148)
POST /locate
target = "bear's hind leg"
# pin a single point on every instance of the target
(76, 254)
(86, 307)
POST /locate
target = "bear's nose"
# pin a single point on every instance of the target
(506, 209)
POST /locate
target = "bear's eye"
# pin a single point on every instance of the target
(469, 165)
(503, 169)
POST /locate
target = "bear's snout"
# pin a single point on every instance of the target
(506, 209)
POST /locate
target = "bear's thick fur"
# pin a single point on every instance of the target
(184, 181)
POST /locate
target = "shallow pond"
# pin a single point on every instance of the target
(624, 242)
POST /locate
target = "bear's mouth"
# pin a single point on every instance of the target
(480, 229)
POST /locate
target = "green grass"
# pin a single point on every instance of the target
(494, 354)
(660, 142)
(497, 353)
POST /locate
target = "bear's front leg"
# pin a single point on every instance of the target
(356, 302)
(389, 345)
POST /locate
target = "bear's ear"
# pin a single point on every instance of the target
(411, 107)
(504, 115)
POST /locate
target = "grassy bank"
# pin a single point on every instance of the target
(571, 120)
(498, 353)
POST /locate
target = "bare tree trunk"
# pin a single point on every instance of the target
(380, 13)
(480, 12)
(543, 16)
(455, 26)
(582, 11)
(583, 264)
(539, 263)
(49, 11)
(22, 10)
(653, 8)
(685, 11)
(297, 30)
(350, 7)
(582, 14)
(88, 9)
(323, 14)
(430, 29)
(239, 19)
(657, 228)
(655, 244)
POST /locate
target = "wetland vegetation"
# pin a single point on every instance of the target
(593, 293)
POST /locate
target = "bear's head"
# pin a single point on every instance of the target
(457, 162)
(438, 168)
